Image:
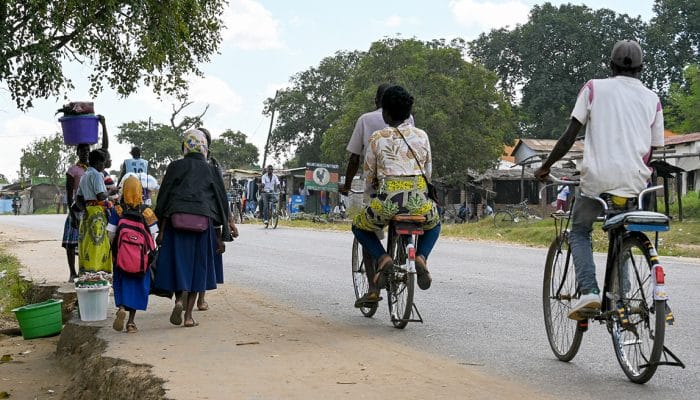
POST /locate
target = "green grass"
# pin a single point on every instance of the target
(13, 289)
(691, 206)
(46, 210)
(682, 240)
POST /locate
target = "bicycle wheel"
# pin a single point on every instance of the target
(237, 216)
(274, 217)
(503, 218)
(359, 278)
(638, 341)
(400, 284)
(558, 295)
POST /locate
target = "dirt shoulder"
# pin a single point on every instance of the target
(248, 346)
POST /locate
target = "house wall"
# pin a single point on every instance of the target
(689, 164)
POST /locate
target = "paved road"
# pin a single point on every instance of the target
(484, 308)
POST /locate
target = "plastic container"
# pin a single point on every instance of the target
(40, 319)
(79, 129)
(92, 302)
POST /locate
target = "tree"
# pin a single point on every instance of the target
(550, 57)
(168, 146)
(128, 43)
(47, 156)
(3, 179)
(673, 42)
(306, 109)
(232, 150)
(681, 114)
(456, 103)
(160, 143)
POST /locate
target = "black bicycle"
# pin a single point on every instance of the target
(634, 307)
(404, 231)
(273, 216)
(513, 214)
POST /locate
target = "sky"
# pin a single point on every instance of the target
(264, 44)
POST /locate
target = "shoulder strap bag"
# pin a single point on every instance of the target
(432, 190)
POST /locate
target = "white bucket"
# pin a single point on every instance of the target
(92, 303)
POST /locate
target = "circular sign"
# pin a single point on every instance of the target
(322, 176)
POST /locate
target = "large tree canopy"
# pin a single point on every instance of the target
(307, 108)
(232, 150)
(128, 43)
(550, 57)
(456, 103)
(47, 156)
(672, 42)
(682, 114)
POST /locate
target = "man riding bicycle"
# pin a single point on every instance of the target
(269, 188)
(366, 125)
(624, 121)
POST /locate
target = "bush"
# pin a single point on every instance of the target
(691, 206)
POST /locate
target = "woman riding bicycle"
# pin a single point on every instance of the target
(395, 160)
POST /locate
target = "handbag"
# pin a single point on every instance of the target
(189, 222)
(431, 189)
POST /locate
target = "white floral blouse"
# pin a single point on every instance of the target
(388, 155)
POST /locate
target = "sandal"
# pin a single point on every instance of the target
(131, 328)
(204, 306)
(380, 277)
(118, 324)
(192, 323)
(369, 299)
(176, 316)
(424, 278)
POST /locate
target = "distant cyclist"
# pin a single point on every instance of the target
(624, 121)
(269, 189)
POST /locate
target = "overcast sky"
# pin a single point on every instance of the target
(265, 43)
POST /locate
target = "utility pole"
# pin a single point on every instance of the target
(269, 132)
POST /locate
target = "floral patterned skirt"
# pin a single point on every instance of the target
(398, 195)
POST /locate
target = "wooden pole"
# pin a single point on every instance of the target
(679, 192)
(269, 131)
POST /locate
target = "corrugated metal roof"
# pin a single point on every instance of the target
(545, 145)
(687, 138)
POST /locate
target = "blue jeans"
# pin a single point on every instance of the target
(370, 241)
(585, 212)
(266, 199)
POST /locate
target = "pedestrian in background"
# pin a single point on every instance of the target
(94, 251)
(70, 227)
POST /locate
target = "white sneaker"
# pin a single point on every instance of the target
(264, 221)
(587, 305)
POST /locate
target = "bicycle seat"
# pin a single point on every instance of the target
(638, 221)
(420, 219)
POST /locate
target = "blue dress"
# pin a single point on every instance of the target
(187, 261)
(130, 291)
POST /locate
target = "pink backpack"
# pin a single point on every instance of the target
(132, 245)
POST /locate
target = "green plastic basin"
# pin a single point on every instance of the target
(40, 319)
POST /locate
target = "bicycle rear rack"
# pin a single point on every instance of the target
(414, 312)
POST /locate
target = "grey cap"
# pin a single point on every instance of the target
(626, 54)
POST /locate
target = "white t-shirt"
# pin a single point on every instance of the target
(269, 184)
(623, 120)
(562, 192)
(366, 125)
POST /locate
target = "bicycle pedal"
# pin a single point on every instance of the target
(622, 316)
